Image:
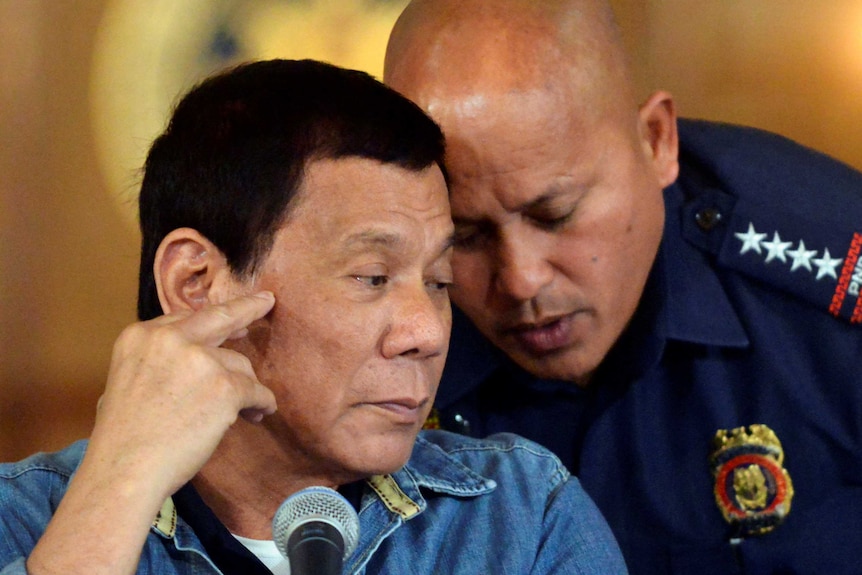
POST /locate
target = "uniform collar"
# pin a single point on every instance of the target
(696, 307)
(683, 302)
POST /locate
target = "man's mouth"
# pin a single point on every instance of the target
(546, 336)
(403, 410)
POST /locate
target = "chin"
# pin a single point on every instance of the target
(384, 456)
(569, 366)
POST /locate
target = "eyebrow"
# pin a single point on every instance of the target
(373, 238)
(550, 195)
(387, 240)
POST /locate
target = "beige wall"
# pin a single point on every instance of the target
(792, 66)
(67, 262)
(68, 256)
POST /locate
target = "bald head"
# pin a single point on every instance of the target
(555, 173)
(447, 49)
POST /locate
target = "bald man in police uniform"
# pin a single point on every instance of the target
(672, 306)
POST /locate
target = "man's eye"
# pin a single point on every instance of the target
(552, 223)
(373, 281)
(439, 285)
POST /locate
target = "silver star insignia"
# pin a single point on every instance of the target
(826, 265)
(801, 257)
(776, 248)
(750, 240)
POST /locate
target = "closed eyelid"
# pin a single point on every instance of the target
(551, 212)
(551, 219)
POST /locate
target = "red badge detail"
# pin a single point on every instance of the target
(752, 489)
(750, 482)
(844, 281)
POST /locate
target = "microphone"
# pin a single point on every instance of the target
(316, 529)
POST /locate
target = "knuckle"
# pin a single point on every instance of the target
(229, 390)
(129, 338)
(167, 338)
(244, 363)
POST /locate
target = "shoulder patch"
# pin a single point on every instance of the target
(816, 259)
(850, 282)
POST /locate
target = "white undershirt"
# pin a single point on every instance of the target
(268, 553)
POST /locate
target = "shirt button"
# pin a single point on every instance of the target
(707, 218)
(460, 424)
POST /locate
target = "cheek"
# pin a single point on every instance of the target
(333, 338)
(642, 223)
(471, 275)
(629, 233)
(470, 268)
(464, 268)
(294, 339)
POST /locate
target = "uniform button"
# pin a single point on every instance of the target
(462, 424)
(707, 218)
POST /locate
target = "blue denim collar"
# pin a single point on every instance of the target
(430, 467)
(433, 468)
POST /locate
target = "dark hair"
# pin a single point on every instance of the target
(233, 156)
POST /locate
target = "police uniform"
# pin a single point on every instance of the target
(723, 432)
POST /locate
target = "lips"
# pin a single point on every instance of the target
(545, 337)
(402, 410)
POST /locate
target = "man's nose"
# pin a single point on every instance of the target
(421, 323)
(521, 269)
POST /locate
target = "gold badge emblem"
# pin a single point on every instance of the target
(433, 421)
(752, 489)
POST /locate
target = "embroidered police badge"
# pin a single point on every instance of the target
(752, 489)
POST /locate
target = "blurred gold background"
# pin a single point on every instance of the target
(85, 85)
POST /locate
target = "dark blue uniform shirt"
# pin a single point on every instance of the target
(751, 317)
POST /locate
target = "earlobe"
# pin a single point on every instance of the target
(187, 268)
(659, 135)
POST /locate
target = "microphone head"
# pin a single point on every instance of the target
(316, 504)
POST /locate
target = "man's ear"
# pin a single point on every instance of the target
(659, 136)
(188, 268)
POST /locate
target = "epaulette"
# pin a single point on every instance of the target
(815, 257)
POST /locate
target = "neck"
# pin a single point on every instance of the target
(249, 476)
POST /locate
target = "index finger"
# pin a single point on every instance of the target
(214, 324)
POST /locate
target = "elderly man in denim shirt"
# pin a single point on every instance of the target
(294, 324)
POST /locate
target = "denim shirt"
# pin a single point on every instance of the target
(460, 506)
